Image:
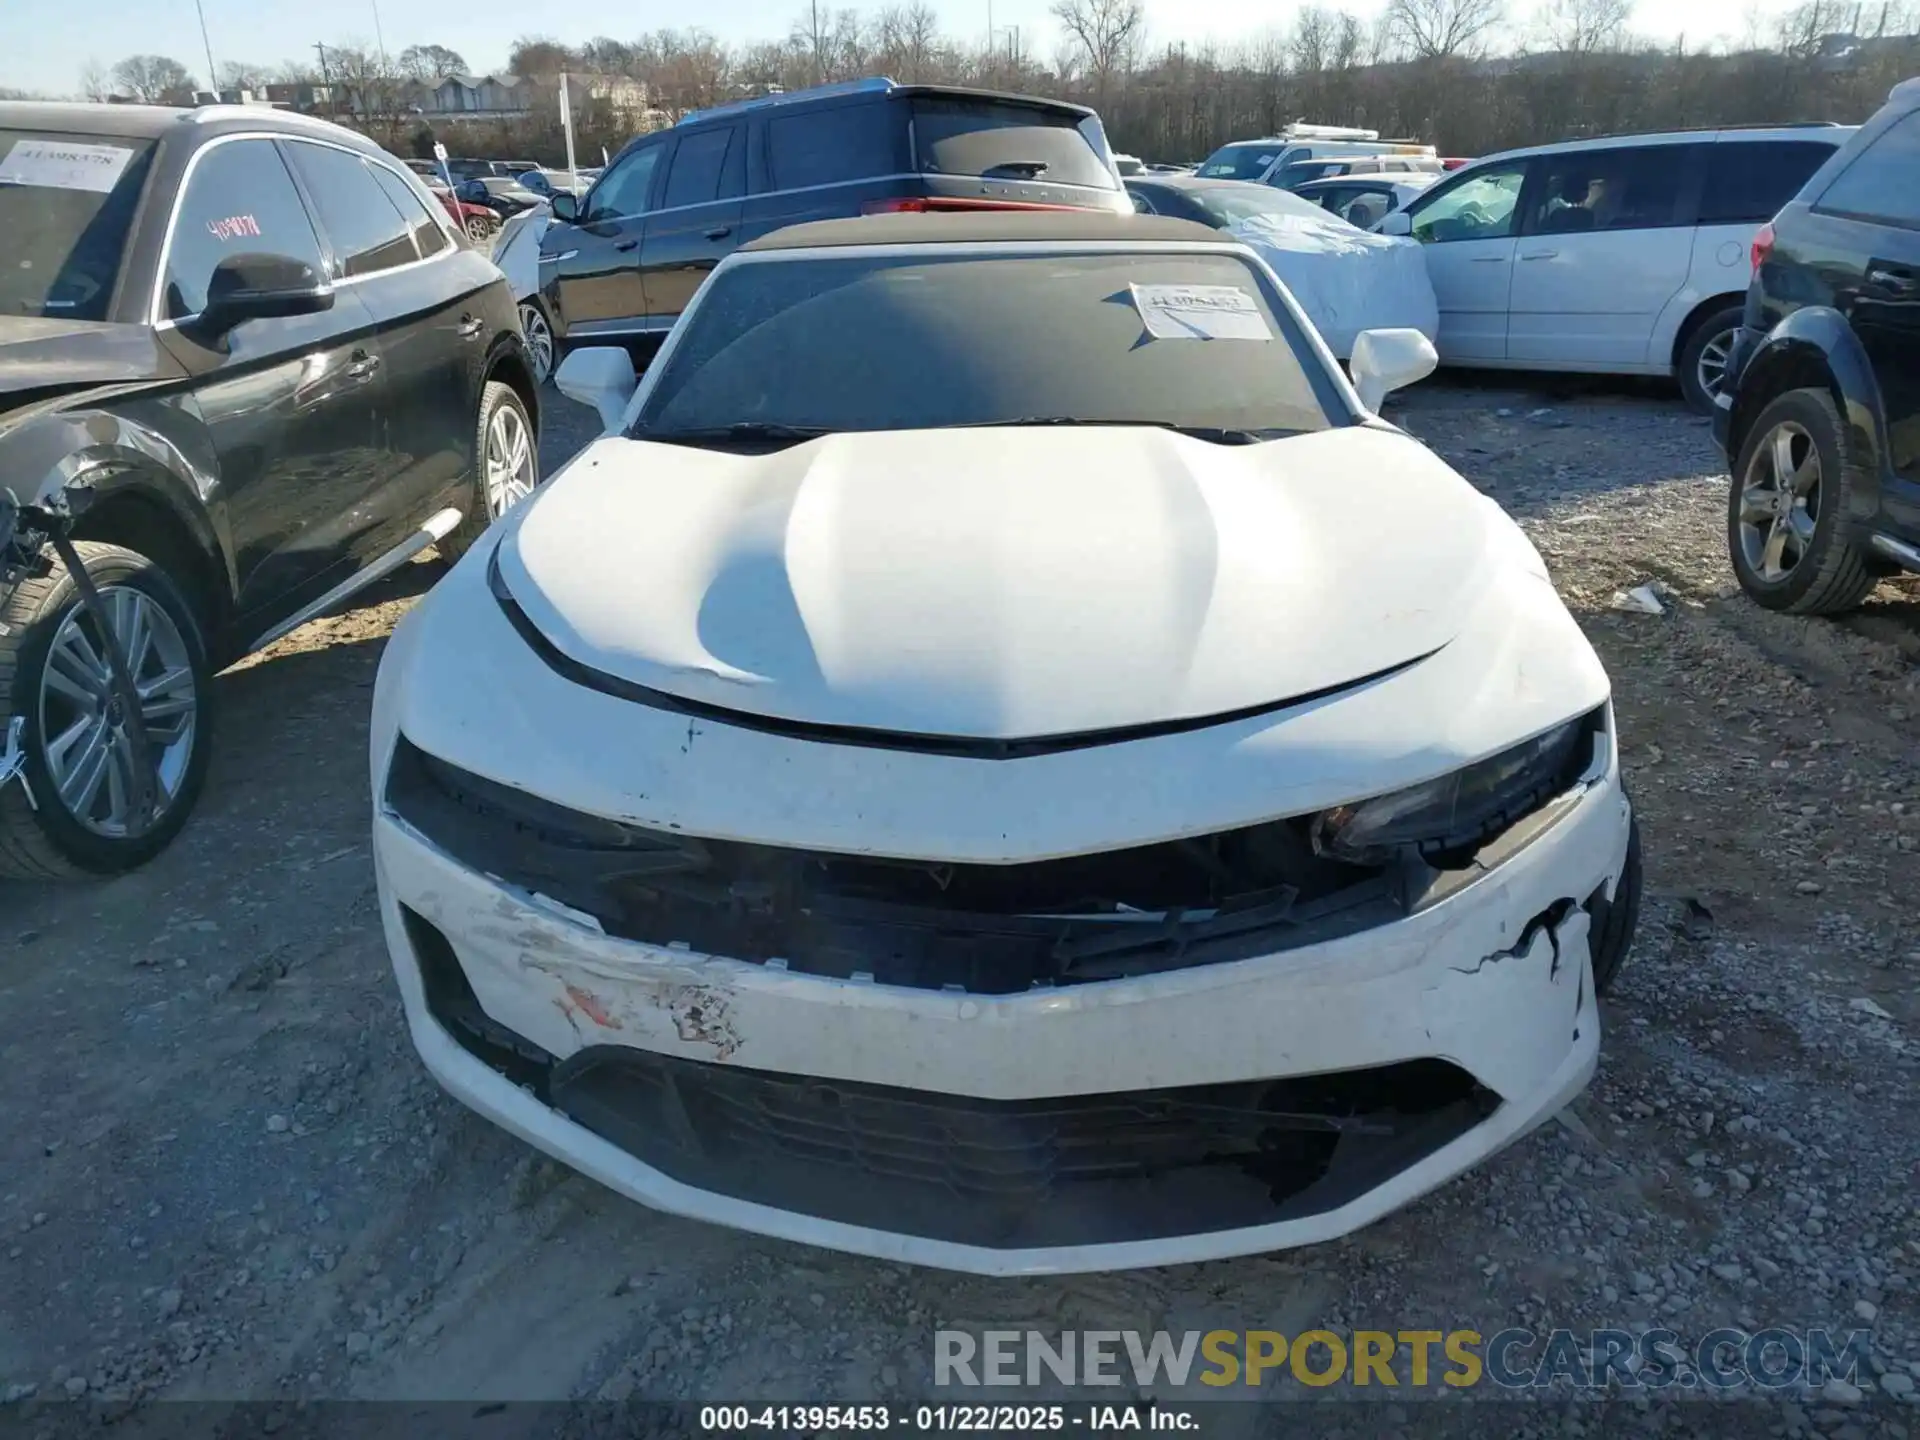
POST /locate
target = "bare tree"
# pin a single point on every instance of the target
(1436, 29)
(94, 84)
(813, 34)
(243, 75)
(1107, 34)
(906, 38)
(1582, 27)
(535, 57)
(431, 62)
(153, 78)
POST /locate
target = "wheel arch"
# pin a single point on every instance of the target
(509, 366)
(129, 483)
(1815, 348)
(1684, 332)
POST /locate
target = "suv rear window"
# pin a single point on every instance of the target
(1003, 141)
(1749, 180)
(1882, 182)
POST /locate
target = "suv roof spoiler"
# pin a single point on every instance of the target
(872, 85)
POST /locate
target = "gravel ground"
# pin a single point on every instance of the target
(225, 1176)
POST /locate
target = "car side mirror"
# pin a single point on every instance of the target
(601, 376)
(1387, 360)
(1397, 222)
(565, 207)
(262, 287)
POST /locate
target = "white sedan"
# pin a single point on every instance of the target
(1000, 759)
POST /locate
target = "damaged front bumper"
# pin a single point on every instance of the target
(1191, 1114)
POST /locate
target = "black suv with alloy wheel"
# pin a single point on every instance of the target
(246, 368)
(1821, 416)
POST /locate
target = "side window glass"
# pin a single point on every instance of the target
(366, 233)
(827, 147)
(1631, 188)
(239, 201)
(699, 166)
(1480, 207)
(1882, 182)
(1749, 180)
(428, 237)
(623, 190)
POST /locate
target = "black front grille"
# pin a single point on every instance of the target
(987, 929)
(1079, 1170)
(1074, 1170)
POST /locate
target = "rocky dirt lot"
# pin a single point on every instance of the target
(223, 1174)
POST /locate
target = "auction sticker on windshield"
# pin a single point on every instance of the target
(55, 165)
(1200, 312)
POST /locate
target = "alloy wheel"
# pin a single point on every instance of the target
(533, 324)
(1780, 502)
(88, 751)
(509, 461)
(1710, 370)
(478, 229)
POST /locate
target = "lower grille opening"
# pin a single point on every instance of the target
(1078, 1170)
(452, 1003)
(986, 929)
(1003, 1174)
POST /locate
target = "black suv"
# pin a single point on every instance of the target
(246, 367)
(1820, 418)
(624, 260)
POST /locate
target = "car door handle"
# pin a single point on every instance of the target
(556, 259)
(628, 245)
(1540, 255)
(1901, 282)
(1489, 259)
(469, 327)
(362, 365)
(719, 232)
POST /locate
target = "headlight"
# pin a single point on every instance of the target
(1457, 813)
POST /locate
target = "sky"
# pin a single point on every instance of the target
(53, 39)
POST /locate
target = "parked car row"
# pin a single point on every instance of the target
(623, 261)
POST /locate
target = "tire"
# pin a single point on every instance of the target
(492, 499)
(1703, 358)
(537, 330)
(65, 838)
(1612, 941)
(479, 229)
(1796, 554)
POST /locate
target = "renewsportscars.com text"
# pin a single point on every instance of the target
(1511, 1359)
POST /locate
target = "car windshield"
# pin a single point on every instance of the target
(1225, 204)
(918, 341)
(66, 205)
(1239, 162)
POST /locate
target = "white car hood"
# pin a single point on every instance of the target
(1002, 584)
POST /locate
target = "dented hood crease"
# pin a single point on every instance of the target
(1001, 584)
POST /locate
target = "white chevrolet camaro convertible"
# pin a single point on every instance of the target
(1000, 759)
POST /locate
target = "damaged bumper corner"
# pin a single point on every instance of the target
(1191, 1114)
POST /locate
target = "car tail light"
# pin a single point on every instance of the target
(921, 204)
(1762, 246)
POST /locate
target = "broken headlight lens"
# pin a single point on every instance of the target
(1457, 813)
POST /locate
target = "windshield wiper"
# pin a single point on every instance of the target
(1215, 434)
(744, 432)
(1030, 167)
